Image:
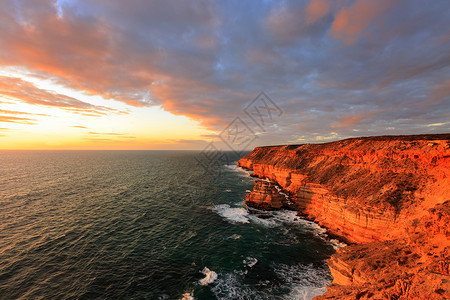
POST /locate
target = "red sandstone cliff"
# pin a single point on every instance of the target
(386, 194)
(265, 196)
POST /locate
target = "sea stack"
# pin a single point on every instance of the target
(388, 197)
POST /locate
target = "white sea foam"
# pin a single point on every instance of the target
(210, 276)
(276, 219)
(249, 262)
(288, 216)
(229, 286)
(337, 244)
(305, 293)
(270, 223)
(242, 172)
(302, 282)
(288, 199)
(227, 190)
(306, 281)
(232, 214)
(281, 217)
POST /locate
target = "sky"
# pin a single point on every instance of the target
(179, 74)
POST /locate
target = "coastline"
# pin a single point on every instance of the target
(378, 195)
(337, 240)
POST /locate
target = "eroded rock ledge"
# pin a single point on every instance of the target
(388, 196)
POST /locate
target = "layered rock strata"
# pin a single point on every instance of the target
(387, 195)
(265, 195)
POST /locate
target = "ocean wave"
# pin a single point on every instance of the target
(250, 262)
(280, 191)
(270, 222)
(300, 282)
(239, 170)
(232, 214)
(305, 293)
(229, 286)
(281, 217)
(210, 276)
(305, 281)
(337, 244)
(131, 220)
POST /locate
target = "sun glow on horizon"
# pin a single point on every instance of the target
(100, 124)
(174, 75)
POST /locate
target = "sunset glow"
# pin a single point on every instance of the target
(225, 149)
(114, 125)
(151, 75)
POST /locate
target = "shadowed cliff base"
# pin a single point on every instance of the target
(387, 195)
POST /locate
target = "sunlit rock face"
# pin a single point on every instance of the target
(387, 194)
(265, 196)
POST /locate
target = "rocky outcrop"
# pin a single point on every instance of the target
(265, 195)
(386, 194)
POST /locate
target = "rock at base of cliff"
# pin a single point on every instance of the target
(265, 196)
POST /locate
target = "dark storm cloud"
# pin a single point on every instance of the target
(336, 68)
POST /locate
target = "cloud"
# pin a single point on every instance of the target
(351, 22)
(24, 91)
(85, 50)
(292, 21)
(352, 67)
(9, 116)
(190, 142)
(439, 93)
(353, 120)
(13, 112)
(107, 136)
(13, 119)
(317, 9)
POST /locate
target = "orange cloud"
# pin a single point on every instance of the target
(159, 52)
(76, 53)
(108, 137)
(198, 102)
(8, 116)
(24, 91)
(316, 10)
(351, 22)
(95, 56)
(122, 135)
(353, 120)
(11, 112)
(12, 119)
(438, 93)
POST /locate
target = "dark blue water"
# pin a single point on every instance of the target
(144, 225)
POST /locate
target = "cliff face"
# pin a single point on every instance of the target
(415, 266)
(374, 191)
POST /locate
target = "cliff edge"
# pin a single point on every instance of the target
(388, 197)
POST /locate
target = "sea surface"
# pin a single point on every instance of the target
(147, 225)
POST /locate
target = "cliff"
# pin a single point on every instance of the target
(386, 195)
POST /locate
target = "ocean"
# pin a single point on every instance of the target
(147, 225)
